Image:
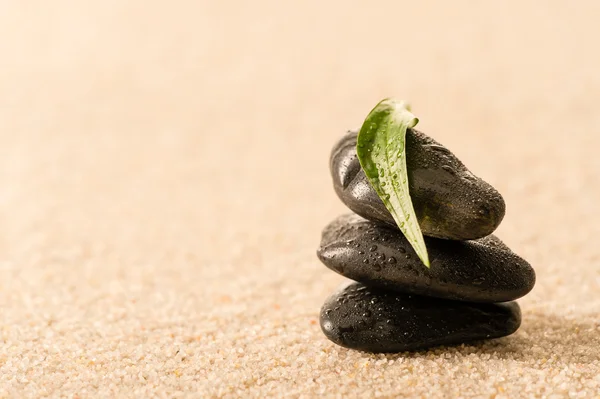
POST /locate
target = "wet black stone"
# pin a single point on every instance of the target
(392, 322)
(483, 270)
(449, 201)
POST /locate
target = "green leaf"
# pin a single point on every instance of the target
(382, 155)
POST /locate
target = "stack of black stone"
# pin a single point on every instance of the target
(397, 304)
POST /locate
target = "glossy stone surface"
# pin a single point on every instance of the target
(449, 201)
(483, 270)
(376, 320)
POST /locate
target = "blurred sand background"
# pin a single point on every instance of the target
(164, 181)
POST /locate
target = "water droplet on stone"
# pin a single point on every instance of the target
(392, 260)
(373, 248)
(448, 169)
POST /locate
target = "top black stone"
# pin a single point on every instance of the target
(449, 201)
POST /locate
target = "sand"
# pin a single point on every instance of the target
(164, 181)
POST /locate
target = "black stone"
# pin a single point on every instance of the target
(376, 320)
(483, 270)
(449, 201)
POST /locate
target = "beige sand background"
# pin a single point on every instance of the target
(164, 181)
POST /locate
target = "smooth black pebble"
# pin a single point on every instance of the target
(483, 270)
(376, 320)
(449, 201)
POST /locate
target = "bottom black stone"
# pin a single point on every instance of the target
(375, 320)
